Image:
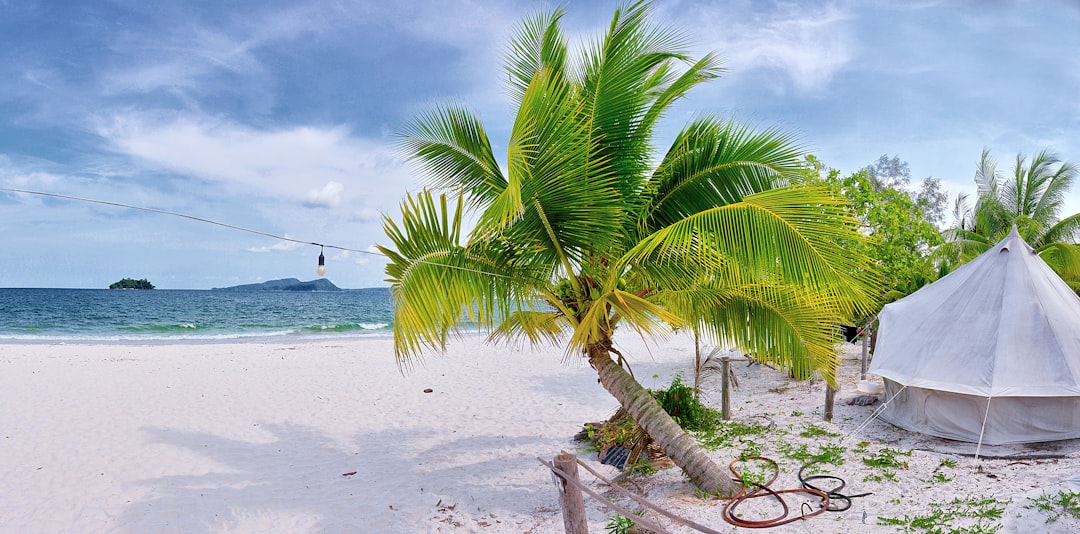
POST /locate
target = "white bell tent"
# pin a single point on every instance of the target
(988, 354)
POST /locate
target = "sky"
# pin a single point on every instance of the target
(282, 116)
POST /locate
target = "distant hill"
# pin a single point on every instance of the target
(285, 284)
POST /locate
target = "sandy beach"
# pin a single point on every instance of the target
(332, 437)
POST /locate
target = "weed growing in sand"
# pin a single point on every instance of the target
(755, 473)
(886, 459)
(681, 402)
(938, 476)
(815, 431)
(827, 454)
(727, 434)
(643, 468)
(751, 450)
(620, 524)
(979, 515)
(1057, 505)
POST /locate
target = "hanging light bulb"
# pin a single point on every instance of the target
(322, 263)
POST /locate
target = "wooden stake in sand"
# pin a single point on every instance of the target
(725, 388)
(830, 399)
(573, 504)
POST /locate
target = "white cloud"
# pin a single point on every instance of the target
(366, 215)
(278, 246)
(807, 43)
(328, 196)
(308, 164)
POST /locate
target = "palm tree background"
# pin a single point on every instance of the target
(1030, 198)
(588, 229)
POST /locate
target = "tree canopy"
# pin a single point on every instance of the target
(588, 229)
(1030, 197)
(902, 237)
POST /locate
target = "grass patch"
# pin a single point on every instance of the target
(888, 460)
(826, 454)
(728, 434)
(978, 515)
(1057, 505)
(815, 431)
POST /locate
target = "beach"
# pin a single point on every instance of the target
(332, 436)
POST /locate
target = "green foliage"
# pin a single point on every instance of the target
(680, 401)
(902, 237)
(131, 283)
(592, 222)
(726, 434)
(643, 468)
(1060, 504)
(887, 460)
(1030, 198)
(938, 476)
(619, 524)
(887, 457)
(978, 515)
(814, 431)
(826, 454)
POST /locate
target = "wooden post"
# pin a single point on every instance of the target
(865, 349)
(570, 498)
(725, 388)
(830, 397)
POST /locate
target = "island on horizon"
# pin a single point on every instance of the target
(131, 283)
(285, 284)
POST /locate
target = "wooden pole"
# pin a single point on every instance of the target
(830, 397)
(725, 388)
(865, 349)
(570, 498)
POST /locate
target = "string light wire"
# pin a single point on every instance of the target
(230, 226)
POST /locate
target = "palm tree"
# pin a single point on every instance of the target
(1029, 199)
(583, 232)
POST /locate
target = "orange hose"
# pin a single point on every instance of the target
(763, 490)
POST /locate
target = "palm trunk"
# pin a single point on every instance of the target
(679, 446)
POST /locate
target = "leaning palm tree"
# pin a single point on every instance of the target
(586, 230)
(1030, 199)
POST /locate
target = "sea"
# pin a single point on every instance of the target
(197, 316)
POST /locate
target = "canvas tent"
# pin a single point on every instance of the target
(988, 354)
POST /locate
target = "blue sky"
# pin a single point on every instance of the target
(280, 116)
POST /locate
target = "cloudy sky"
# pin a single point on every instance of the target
(280, 116)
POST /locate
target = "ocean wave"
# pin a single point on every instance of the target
(347, 327)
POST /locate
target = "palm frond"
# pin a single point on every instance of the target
(1066, 230)
(450, 143)
(713, 163)
(783, 325)
(537, 327)
(621, 74)
(436, 282)
(1064, 259)
(538, 44)
(798, 234)
(616, 306)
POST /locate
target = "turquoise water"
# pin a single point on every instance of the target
(161, 315)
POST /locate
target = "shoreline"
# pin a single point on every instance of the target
(333, 436)
(225, 339)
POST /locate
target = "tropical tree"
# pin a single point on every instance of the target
(1030, 198)
(587, 229)
(897, 221)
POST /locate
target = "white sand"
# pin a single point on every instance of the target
(263, 438)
